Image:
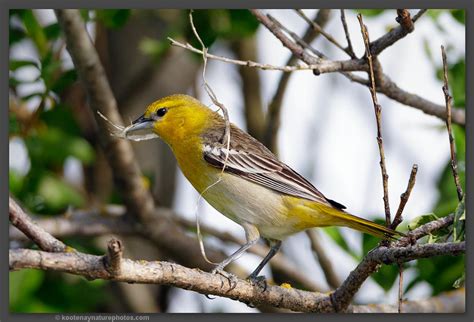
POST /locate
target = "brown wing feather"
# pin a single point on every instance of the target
(251, 160)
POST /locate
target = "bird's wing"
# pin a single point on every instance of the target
(263, 168)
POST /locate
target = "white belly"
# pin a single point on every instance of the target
(244, 201)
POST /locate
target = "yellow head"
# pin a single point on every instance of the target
(175, 118)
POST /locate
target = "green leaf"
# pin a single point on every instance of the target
(62, 118)
(53, 146)
(56, 195)
(370, 12)
(23, 285)
(13, 126)
(336, 235)
(242, 24)
(35, 31)
(113, 18)
(17, 64)
(440, 272)
(15, 35)
(15, 182)
(421, 220)
(459, 15)
(154, 48)
(66, 79)
(460, 281)
(459, 222)
(52, 31)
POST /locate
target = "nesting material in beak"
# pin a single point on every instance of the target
(139, 130)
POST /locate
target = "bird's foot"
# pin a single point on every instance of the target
(259, 281)
(231, 278)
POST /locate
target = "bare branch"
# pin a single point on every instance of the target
(349, 48)
(112, 219)
(394, 35)
(38, 235)
(378, 118)
(323, 259)
(400, 287)
(371, 263)
(93, 267)
(424, 230)
(319, 29)
(448, 99)
(247, 63)
(270, 135)
(404, 198)
(386, 85)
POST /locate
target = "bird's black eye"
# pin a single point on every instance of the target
(161, 112)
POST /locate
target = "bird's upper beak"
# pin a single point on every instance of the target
(143, 125)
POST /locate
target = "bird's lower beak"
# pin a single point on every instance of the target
(140, 129)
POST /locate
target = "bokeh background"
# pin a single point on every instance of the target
(327, 134)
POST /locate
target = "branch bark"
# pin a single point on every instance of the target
(38, 235)
(157, 272)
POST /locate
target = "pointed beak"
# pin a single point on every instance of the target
(140, 129)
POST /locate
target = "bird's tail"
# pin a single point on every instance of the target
(342, 218)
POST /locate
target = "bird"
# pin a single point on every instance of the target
(243, 179)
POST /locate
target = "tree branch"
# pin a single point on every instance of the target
(386, 85)
(272, 126)
(112, 219)
(323, 259)
(404, 198)
(157, 272)
(448, 99)
(378, 119)
(382, 255)
(38, 235)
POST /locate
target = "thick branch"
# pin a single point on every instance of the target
(93, 267)
(382, 255)
(38, 235)
(113, 220)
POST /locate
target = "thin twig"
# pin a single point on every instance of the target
(318, 28)
(38, 235)
(400, 287)
(404, 198)
(349, 48)
(272, 126)
(247, 63)
(378, 118)
(448, 98)
(323, 258)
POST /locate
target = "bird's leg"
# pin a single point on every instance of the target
(252, 235)
(260, 280)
